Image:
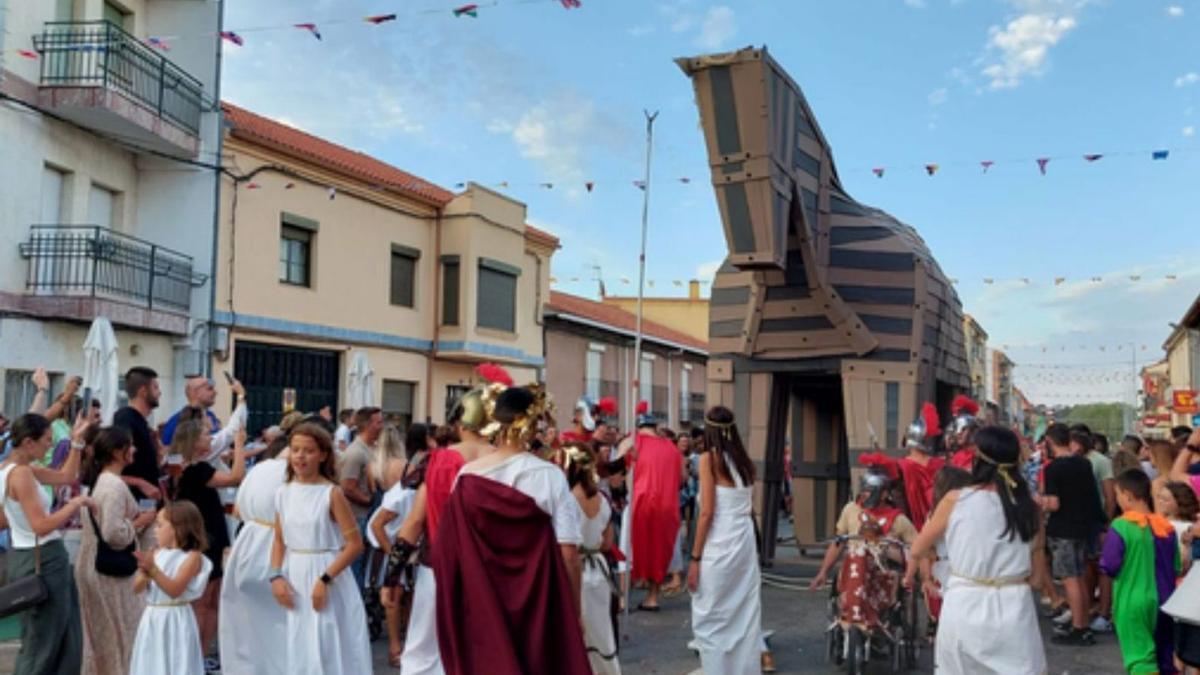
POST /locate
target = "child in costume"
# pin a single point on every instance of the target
(1142, 556)
(168, 639)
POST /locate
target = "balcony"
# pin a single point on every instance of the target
(84, 271)
(100, 77)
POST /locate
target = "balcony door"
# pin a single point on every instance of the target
(47, 271)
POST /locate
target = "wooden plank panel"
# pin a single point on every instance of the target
(782, 309)
(896, 278)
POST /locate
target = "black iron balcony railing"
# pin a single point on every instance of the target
(99, 54)
(93, 261)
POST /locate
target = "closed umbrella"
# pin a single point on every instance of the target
(100, 373)
(360, 382)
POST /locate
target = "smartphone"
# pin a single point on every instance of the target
(228, 377)
(87, 401)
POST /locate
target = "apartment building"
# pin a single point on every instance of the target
(107, 188)
(328, 257)
(590, 352)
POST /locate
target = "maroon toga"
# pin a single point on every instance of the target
(504, 600)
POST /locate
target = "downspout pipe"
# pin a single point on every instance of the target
(436, 309)
(206, 349)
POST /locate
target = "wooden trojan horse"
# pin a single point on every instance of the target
(830, 322)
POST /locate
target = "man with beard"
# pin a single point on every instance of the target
(141, 386)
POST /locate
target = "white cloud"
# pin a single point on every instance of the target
(938, 96)
(1187, 79)
(1020, 48)
(1174, 11)
(707, 270)
(718, 26)
(1189, 131)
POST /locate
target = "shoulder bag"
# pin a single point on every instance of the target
(110, 561)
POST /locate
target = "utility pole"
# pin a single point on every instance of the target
(637, 340)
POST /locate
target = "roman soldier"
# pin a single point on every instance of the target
(583, 425)
(917, 470)
(961, 440)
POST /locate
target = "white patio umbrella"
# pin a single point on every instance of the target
(360, 382)
(100, 372)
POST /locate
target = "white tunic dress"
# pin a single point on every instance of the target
(398, 499)
(252, 624)
(333, 641)
(967, 640)
(726, 608)
(168, 640)
(597, 592)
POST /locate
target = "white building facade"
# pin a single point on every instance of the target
(108, 194)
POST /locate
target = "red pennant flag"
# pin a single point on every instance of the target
(986, 164)
(253, 186)
(572, 4)
(27, 54)
(931, 169)
(471, 10)
(878, 171)
(289, 186)
(1092, 158)
(1042, 162)
(589, 185)
(158, 43)
(232, 37)
(310, 27)
(380, 18)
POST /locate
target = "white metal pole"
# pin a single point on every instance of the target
(637, 339)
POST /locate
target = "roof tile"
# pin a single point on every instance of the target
(618, 318)
(301, 145)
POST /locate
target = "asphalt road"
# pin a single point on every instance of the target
(656, 643)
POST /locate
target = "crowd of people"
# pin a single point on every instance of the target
(491, 544)
(988, 514)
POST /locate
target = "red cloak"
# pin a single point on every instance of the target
(656, 476)
(964, 458)
(504, 604)
(440, 473)
(918, 487)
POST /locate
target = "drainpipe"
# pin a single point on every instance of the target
(206, 349)
(437, 305)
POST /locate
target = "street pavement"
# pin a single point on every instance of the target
(656, 643)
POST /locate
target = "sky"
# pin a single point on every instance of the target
(530, 92)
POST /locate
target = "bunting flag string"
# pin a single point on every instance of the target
(310, 27)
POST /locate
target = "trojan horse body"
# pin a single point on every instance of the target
(830, 322)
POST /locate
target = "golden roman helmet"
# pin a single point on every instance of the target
(469, 411)
(525, 424)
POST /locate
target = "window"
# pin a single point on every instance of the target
(295, 246)
(646, 376)
(404, 275)
(398, 399)
(454, 392)
(685, 388)
(19, 391)
(115, 14)
(592, 371)
(450, 281)
(53, 182)
(497, 296)
(101, 205)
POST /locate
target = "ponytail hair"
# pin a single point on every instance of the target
(997, 452)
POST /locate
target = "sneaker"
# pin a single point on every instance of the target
(1063, 629)
(1063, 618)
(1079, 637)
(212, 665)
(1101, 625)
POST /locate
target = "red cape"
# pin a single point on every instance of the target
(918, 487)
(504, 604)
(440, 473)
(963, 459)
(656, 477)
(573, 436)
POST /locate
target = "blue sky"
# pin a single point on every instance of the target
(530, 92)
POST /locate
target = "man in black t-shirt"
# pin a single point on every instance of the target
(141, 386)
(1073, 502)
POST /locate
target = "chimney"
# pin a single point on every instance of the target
(693, 290)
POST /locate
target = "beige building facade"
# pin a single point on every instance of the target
(325, 254)
(687, 315)
(1183, 361)
(590, 352)
(975, 342)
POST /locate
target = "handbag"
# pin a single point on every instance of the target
(110, 561)
(26, 592)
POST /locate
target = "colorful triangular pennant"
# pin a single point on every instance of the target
(931, 169)
(1092, 158)
(233, 37)
(1160, 154)
(878, 171)
(986, 164)
(310, 27)
(380, 18)
(1042, 162)
(471, 10)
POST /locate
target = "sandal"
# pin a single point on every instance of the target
(648, 608)
(394, 658)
